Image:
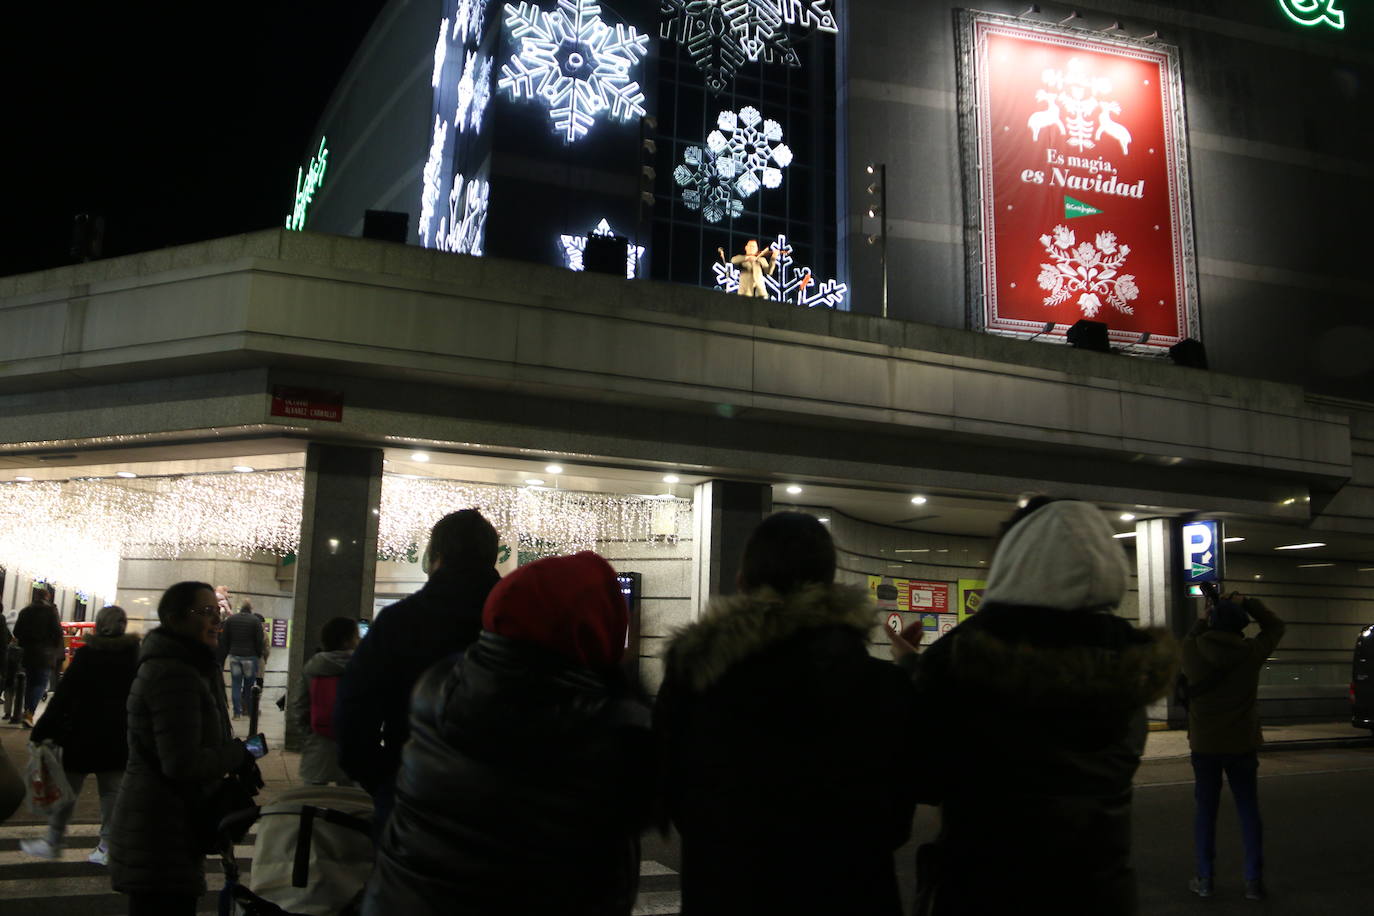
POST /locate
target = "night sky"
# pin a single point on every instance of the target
(176, 121)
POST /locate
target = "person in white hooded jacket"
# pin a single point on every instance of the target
(1034, 724)
(311, 703)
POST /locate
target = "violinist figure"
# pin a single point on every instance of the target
(753, 264)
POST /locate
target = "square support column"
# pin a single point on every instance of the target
(336, 570)
(1159, 569)
(725, 513)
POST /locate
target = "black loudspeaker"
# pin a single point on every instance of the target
(386, 225)
(1189, 352)
(1089, 335)
(605, 254)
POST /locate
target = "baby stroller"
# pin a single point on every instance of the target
(312, 855)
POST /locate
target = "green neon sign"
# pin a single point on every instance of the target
(1314, 12)
(308, 181)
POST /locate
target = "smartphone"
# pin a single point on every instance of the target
(257, 745)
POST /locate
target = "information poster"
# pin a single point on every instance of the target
(1081, 184)
(970, 597)
(907, 601)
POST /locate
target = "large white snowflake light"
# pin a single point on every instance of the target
(814, 14)
(788, 283)
(1090, 269)
(465, 228)
(429, 193)
(575, 245)
(708, 184)
(755, 146)
(721, 35)
(575, 63)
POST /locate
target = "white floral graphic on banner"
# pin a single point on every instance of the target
(1090, 269)
(1076, 104)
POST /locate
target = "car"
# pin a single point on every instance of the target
(1362, 681)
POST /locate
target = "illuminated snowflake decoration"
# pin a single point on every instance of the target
(721, 35)
(465, 228)
(468, 21)
(708, 184)
(755, 146)
(429, 194)
(460, 117)
(1090, 269)
(440, 53)
(481, 95)
(575, 245)
(788, 283)
(575, 63)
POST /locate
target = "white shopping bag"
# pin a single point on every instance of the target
(46, 781)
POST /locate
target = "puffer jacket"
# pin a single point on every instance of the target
(789, 756)
(1036, 728)
(180, 745)
(86, 715)
(1224, 668)
(523, 789)
(241, 635)
(319, 754)
(38, 630)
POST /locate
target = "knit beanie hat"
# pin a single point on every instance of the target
(1060, 556)
(1229, 616)
(570, 605)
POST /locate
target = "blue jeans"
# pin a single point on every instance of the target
(243, 673)
(1242, 772)
(35, 685)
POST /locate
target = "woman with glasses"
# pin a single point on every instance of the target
(180, 746)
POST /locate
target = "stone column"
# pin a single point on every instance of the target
(336, 569)
(1159, 572)
(725, 514)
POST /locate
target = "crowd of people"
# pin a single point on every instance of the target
(514, 766)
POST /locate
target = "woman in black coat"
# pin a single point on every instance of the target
(526, 780)
(180, 746)
(85, 717)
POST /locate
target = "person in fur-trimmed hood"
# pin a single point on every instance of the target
(1036, 724)
(786, 768)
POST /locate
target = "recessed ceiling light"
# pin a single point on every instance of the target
(1301, 546)
(1366, 569)
(918, 500)
(242, 468)
(553, 469)
(912, 550)
(419, 456)
(1314, 565)
(22, 479)
(794, 489)
(1258, 576)
(125, 474)
(670, 478)
(1124, 534)
(824, 519)
(1231, 540)
(1289, 501)
(1127, 517)
(534, 482)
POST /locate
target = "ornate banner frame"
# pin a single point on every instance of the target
(1113, 204)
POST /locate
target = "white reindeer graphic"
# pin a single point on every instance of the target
(1116, 131)
(1049, 117)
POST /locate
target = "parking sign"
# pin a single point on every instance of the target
(1202, 554)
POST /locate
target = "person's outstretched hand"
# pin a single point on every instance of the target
(902, 643)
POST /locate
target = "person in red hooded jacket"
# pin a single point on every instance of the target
(528, 774)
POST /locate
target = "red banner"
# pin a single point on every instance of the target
(1084, 213)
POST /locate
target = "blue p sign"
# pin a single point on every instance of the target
(1201, 552)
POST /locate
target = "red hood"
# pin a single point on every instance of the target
(571, 605)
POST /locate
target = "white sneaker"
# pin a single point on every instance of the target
(40, 847)
(100, 855)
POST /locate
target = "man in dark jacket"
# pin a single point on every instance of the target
(788, 760)
(1034, 727)
(244, 640)
(371, 718)
(1223, 667)
(38, 630)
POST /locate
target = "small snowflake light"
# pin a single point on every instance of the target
(575, 245)
(465, 84)
(464, 230)
(481, 95)
(788, 283)
(575, 63)
(431, 177)
(708, 184)
(754, 145)
(440, 53)
(1090, 269)
(467, 22)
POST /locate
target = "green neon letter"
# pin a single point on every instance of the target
(308, 181)
(1314, 12)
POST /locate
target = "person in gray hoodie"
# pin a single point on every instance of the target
(1035, 724)
(311, 704)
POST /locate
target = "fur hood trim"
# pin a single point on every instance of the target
(123, 643)
(1068, 676)
(738, 626)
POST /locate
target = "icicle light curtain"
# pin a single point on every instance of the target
(73, 533)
